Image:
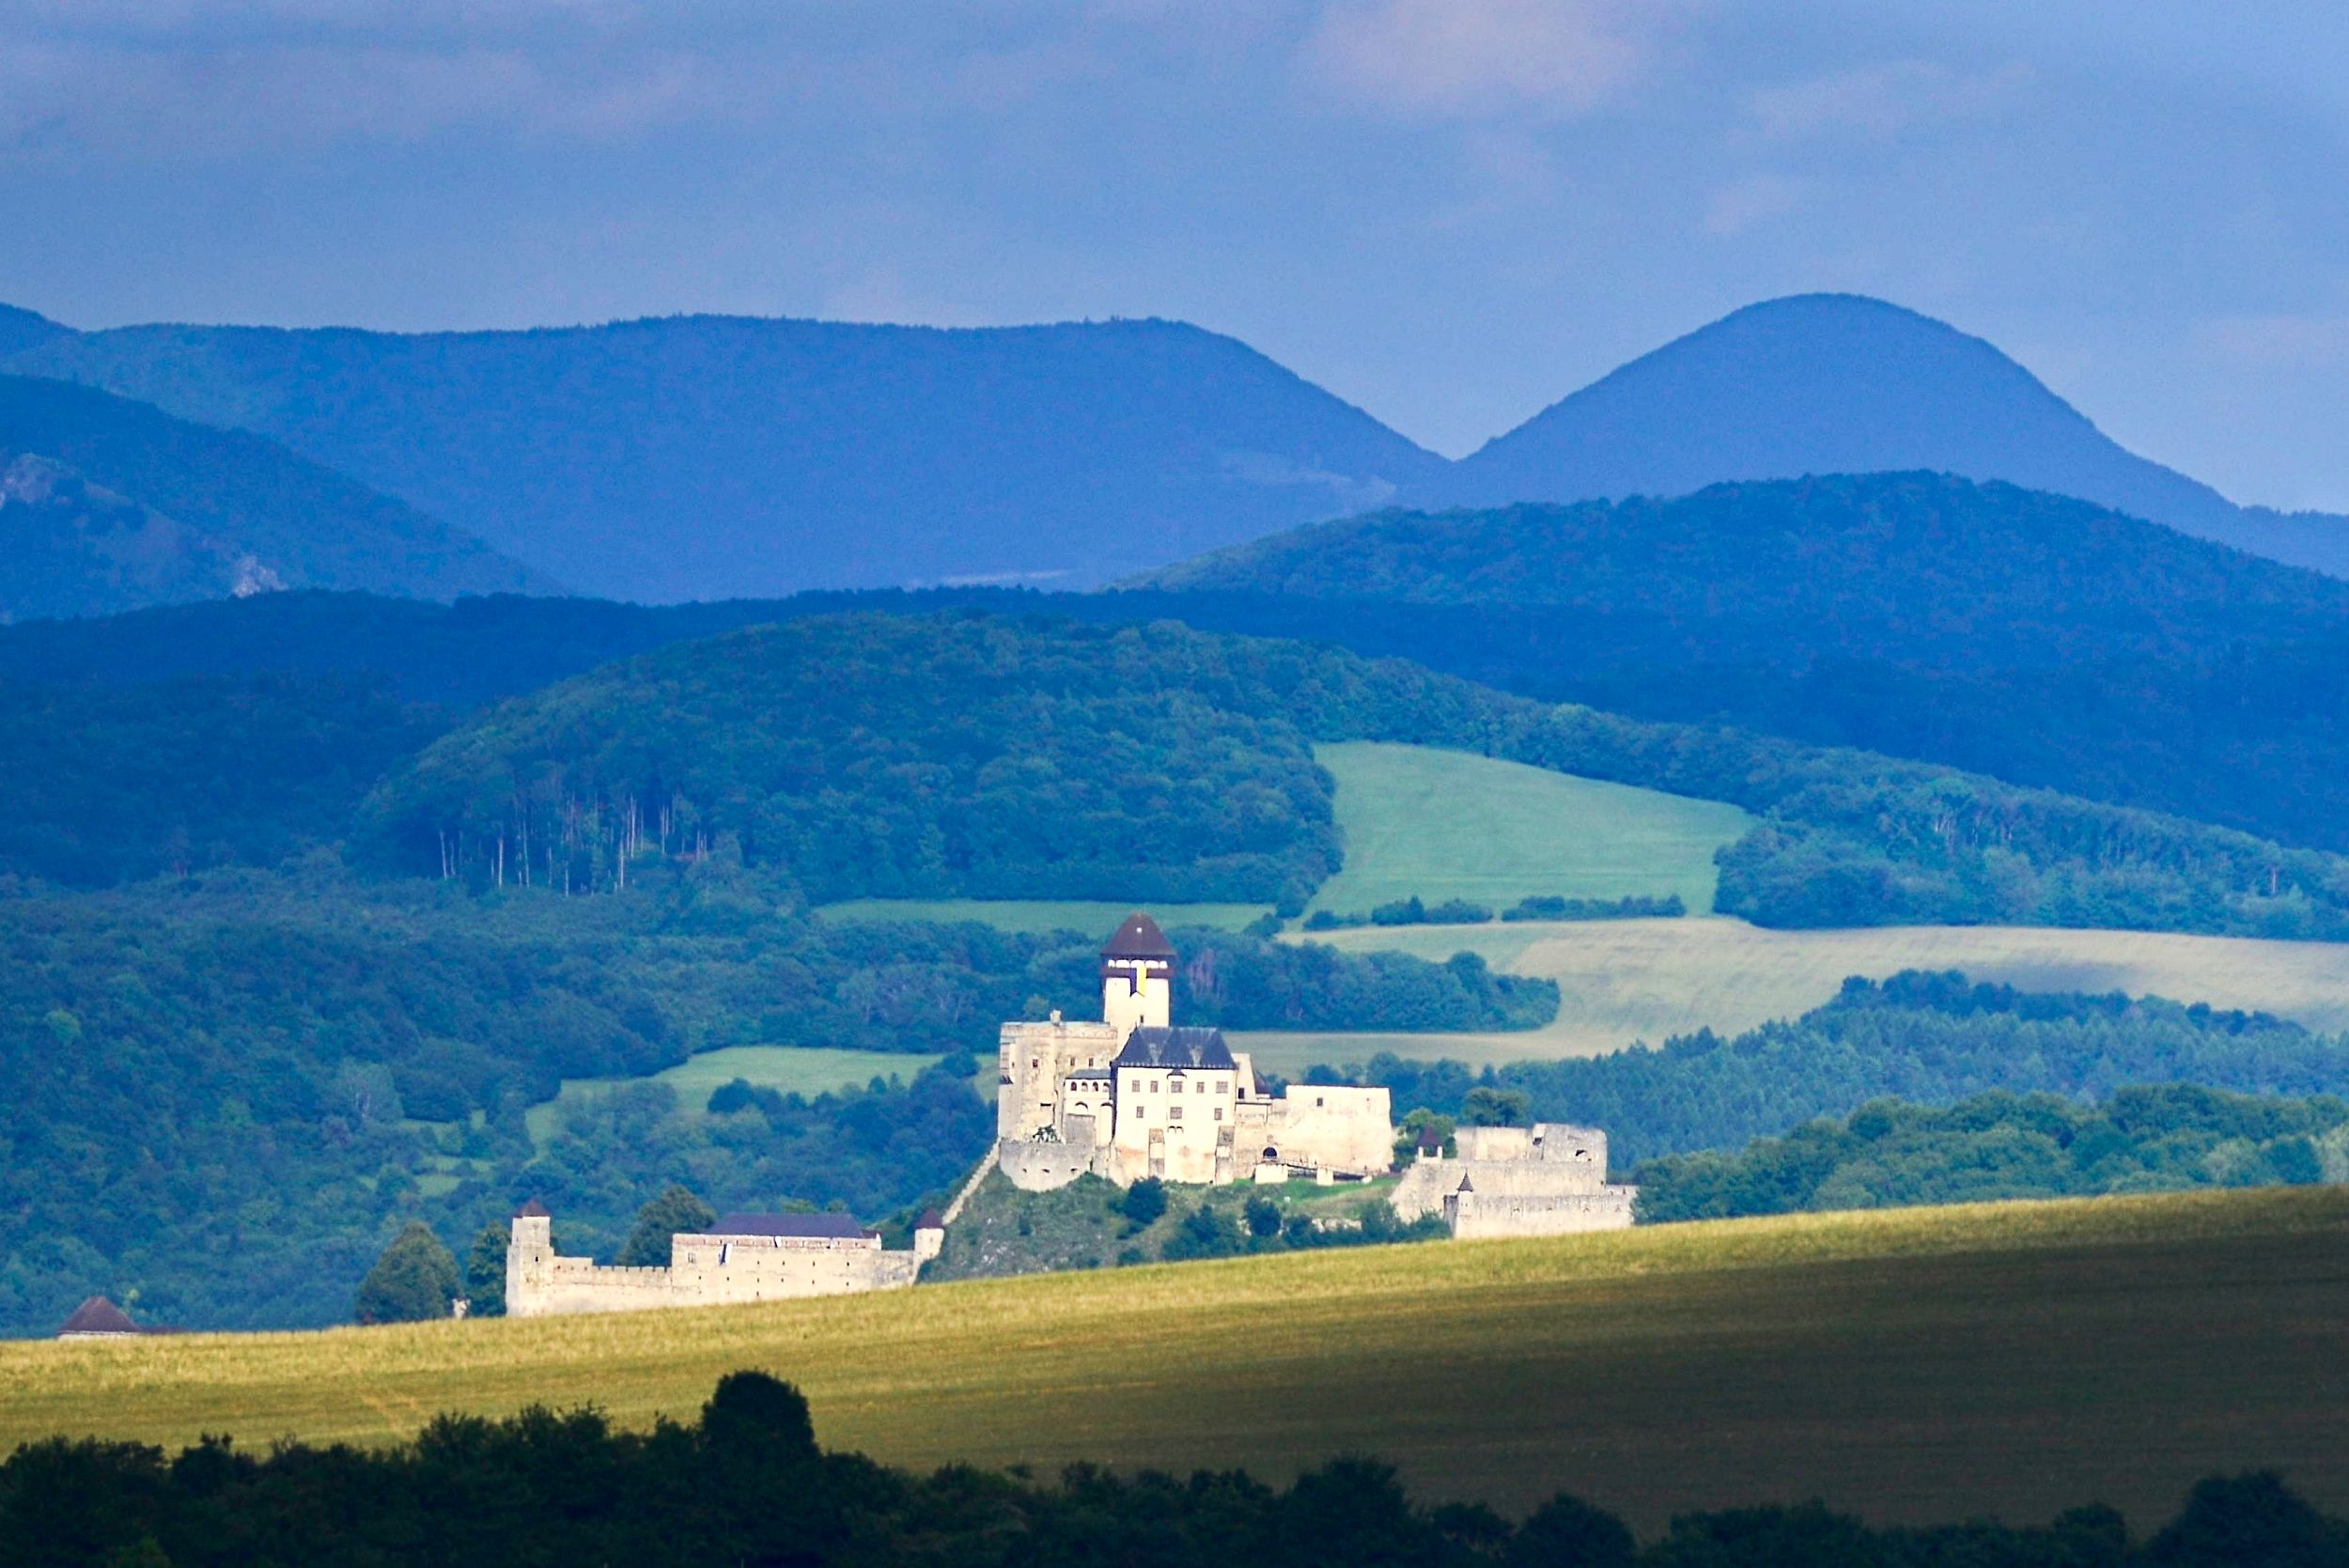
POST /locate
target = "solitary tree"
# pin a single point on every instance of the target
(657, 1222)
(485, 1271)
(1495, 1108)
(414, 1280)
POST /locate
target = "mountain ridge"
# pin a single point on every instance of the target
(703, 456)
(116, 504)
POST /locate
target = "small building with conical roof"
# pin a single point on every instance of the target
(99, 1319)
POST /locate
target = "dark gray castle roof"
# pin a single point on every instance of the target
(99, 1315)
(1139, 938)
(835, 1226)
(1189, 1049)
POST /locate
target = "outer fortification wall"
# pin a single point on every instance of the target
(1476, 1215)
(703, 1271)
(1548, 1179)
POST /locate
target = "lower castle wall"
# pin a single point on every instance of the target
(1427, 1183)
(707, 1273)
(1476, 1215)
(1042, 1166)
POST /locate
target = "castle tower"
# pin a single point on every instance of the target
(1138, 977)
(529, 1260)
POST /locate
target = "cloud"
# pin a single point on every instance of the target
(1736, 208)
(1472, 59)
(2279, 342)
(1882, 101)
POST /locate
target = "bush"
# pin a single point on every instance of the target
(1144, 1201)
(1262, 1216)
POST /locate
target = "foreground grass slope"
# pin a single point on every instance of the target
(1630, 980)
(1916, 1364)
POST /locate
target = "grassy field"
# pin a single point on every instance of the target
(787, 1069)
(1445, 824)
(1622, 981)
(1042, 915)
(1921, 1363)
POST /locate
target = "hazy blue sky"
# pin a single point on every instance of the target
(1451, 211)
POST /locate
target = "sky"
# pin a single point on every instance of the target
(1451, 213)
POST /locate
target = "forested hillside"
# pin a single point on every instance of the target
(2032, 638)
(2001, 1146)
(1927, 1038)
(696, 457)
(113, 505)
(657, 755)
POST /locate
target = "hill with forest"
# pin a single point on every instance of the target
(703, 457)
(1840, 383)
(695, 457)
(112, 504)
(988, 755)
(2028, 636)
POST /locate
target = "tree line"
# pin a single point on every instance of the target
(747, 1483)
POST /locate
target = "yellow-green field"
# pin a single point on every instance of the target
(785, 1069)
(1622, 981)
(1438, 825)
(1924, 1363)
(1042, 915)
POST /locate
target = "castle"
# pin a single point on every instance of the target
(1133, 1096)
(743, 1257)
(1129, 1097)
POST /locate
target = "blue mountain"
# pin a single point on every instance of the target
(721, 457)
(1838, 384)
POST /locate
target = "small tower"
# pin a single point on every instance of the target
(529, 1259)
(1138, 977)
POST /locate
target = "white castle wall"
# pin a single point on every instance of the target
(1476, 1215)
(703, 1271)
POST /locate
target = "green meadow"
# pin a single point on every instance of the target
(785, 1069)
(1434, 824)
(2011, 1359)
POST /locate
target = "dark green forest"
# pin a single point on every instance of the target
(954, 725)
(2031, 636)
(1891, 1153)
(1928, 1039)
(748, 1484)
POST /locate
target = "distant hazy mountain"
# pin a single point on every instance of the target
(1835, 384)
(21, 330)
(701, 457)
(107, 504)
(709, 457)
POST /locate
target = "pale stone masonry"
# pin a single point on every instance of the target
(1135, 1096)
(743, 1257)
(1548, 1179)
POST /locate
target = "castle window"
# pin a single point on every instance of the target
(1222, 1085)
(1174, 1112)
(1219, 1113)
(1319, 1102)
(1200, 1087)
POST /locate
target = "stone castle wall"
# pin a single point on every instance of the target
(1476, 1215)
(703, 1271)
